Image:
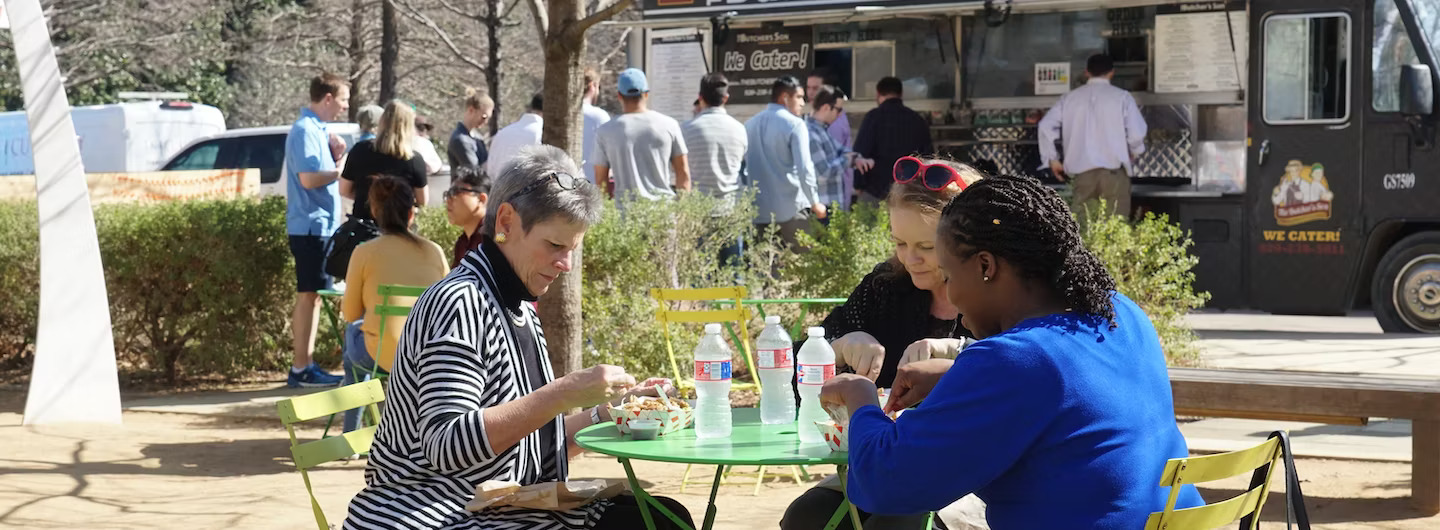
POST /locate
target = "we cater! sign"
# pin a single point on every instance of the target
(753, 59)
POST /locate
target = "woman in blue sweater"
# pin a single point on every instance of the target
(1060, 417)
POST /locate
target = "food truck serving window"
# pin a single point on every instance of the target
(1307, 68)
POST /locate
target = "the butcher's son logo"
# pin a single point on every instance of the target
(1303, 195)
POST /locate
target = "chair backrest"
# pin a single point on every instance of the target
(403, 298)
(1259, 460)
(737, 314)
(321, 404)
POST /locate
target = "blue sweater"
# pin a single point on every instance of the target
(1060, 422)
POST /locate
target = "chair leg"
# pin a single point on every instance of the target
(685, 479)
(759, 481)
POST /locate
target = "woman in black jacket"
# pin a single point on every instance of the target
(388, 153)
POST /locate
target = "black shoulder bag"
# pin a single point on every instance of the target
(351, 234)
(1294, 499)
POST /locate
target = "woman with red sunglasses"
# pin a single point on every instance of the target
(897, 315)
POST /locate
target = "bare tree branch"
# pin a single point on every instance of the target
(601, 16)
(542, 18)
(410, 12)
(455, 9)
(624, 35)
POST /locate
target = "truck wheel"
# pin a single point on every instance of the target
(1406, 288)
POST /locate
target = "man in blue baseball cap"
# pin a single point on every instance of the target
(641, 153)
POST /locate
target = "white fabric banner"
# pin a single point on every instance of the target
(74, 377)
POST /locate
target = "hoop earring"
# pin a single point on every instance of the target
(500, 237)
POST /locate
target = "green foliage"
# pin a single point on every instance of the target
(19, 304)
(1151, 264)
(841, 254)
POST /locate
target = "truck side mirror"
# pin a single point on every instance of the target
(1417, 90)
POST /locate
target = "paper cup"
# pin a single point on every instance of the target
(670, 420)
(835, 435)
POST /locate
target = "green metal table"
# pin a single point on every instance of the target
(750, 444)
(330, 306)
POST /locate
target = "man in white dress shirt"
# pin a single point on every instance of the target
(508, 142)
(1103, 132)
(594, 118)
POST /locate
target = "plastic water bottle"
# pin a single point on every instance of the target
(712, 385)
(775, 361)
(816, 365)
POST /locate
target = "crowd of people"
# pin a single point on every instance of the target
(1045, 392)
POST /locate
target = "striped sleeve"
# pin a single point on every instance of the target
(449, 395)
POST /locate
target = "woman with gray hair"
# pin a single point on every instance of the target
(472, 396)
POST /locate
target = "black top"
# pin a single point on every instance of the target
(889, 132)
(466, 150)
(513, 293)
(889, 307)
(364, 162)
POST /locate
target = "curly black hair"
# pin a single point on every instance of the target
(1026, 223)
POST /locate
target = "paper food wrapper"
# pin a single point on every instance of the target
(544, 496)
(674, 419)
(837, 436)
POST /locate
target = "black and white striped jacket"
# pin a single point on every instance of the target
(457, 356)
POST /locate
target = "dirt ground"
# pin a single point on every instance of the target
(165, 471)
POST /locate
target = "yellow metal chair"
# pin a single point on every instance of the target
(311, 454)
(737, 315)
(1259, 461)
(403, 298)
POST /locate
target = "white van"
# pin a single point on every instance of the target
(134, 136)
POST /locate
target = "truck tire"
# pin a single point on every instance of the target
(1406, 288)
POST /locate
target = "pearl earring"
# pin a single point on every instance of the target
(500, 237)
(987, 278)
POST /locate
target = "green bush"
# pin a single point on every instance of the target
(1151, 264)
(19, 284)
(841, 254)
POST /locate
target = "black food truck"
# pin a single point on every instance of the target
(1294, 139)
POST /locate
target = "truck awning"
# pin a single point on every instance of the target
(700, 17)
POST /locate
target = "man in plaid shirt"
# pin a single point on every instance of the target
(831, 159)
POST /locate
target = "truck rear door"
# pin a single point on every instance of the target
(1304, 154)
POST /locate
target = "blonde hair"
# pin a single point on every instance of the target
(477, 99)
(915, 196)
(397, 126)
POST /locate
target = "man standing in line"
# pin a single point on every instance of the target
(1103, 132)
(641, 152)
(594, 118)
(832, 160)
(465, 148)
(840, 128)
(508, 141)
(421, 143)
(779, 163)
(889, 132)
(717, 144)
(312, 213)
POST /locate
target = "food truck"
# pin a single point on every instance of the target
(1294, 139)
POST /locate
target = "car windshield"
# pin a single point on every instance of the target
(1427, 13)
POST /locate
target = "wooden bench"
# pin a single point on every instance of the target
(1320, 397)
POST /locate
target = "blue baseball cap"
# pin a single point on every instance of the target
(632, 82)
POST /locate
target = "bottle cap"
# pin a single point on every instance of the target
(772, 319)
(816, 332)
(712, 329)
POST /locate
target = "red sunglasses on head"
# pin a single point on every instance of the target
(935, 177)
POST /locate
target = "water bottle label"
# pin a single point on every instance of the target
(706, 371)
(814, 374)
(780, 358)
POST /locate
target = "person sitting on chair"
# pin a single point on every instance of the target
(398, 257)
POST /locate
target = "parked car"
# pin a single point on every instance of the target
(264, 148)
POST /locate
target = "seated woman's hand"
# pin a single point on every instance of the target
(859, 350)
(648, 388)
(850, 391)
(926, 349)
(914, 381)
(594, 385)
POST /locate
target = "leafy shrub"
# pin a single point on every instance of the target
(1151, 264)
(841, 254)
(20, 282)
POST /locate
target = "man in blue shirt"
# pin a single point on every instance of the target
(778, 163)
(833, 161)
(312, 213)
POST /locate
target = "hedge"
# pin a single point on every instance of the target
(205, 288)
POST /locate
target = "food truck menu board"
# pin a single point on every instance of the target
(1193, 47)
(752, 59)
(675, 64)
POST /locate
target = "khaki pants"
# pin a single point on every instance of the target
(1111, 185)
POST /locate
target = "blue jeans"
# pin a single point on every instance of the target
(356, 359)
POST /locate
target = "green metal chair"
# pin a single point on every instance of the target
(308, 455)
(385, 310)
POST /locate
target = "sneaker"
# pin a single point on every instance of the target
(312, 377)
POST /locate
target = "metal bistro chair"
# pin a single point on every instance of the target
(1259, 461)
(738, 315)
(311, 454)
(385, 311)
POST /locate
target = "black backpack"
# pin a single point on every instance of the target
(350, 235)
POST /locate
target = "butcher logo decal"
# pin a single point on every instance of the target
(1303, 195)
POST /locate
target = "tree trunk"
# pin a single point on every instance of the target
(492, 59)
(564, 47)
(389, 50)
(357, 57)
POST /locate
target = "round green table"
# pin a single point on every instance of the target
(751, 443)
